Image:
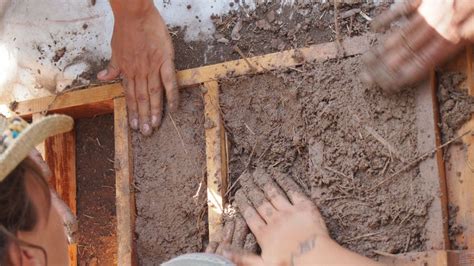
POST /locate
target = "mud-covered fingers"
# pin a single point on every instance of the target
(251, 244)
(272, 191)
(129, 86)
(143, 103)
(293, 191)
(404, 8)
(425, 60)
(467, 29)
(227, 233)
(262, 205)
(253, 219)
(415, 28)
(170, 82)
(212, 247)
(155, 90)
(240, 231)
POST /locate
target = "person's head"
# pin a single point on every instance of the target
(31, 230)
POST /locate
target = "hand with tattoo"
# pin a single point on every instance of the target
(436, 30)
(287, 225)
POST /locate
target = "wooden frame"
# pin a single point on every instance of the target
(109, 98)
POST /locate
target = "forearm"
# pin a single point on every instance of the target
(125, 9)
(328, 252)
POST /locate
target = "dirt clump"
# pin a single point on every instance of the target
(456, 106)
(96, 214)
(169, 171)
(339, 140)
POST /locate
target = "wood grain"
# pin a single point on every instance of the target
(125, 196)
(215, 158)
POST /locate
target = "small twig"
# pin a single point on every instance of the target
(337, 30)
(179, 133)
(243, 172)
(336, 172)
(237, 49)
(417, 160)
(251, 131)
(383, 253)
(364, 236)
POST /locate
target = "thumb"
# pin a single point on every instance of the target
(242, 259)
(111, 72)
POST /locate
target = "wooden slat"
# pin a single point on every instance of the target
(60, 154)
(98, 100)
(125, 196)
(460, 169)
(215, 157)
(431, 169)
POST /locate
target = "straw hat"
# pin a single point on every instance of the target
(19, 138)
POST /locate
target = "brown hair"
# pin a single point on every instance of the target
(17, 210)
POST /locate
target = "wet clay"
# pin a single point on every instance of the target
(339, 140)
(169, 168)
(96, 215)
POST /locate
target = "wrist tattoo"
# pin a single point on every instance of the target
(303, 248)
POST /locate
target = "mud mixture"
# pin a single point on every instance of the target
(271, 28)
(96, 215)
(169, 171)
(339, 140)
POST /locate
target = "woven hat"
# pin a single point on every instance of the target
(19, 138)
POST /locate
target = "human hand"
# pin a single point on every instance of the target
(142, 52)
(436, 30)
(286, 229)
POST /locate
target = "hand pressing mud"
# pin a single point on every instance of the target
(143, 54)
(437, 29)
(287, 226)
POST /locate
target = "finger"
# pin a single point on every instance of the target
(262, 205)
(425, 60)
(413, 29)
(228, 232)
(408, 45)
(253, 219)
(401, 9)
(467, 29)
(251, 244)
(242, 259)
(292, 190)
(212, 247)
(464, 10)
(129, 85)
(240, 231)
(168, 76)
(155, 90)
(271, 190)
(143, 102)
(111, 72)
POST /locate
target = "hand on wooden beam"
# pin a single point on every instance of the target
(436, 30)
(143, 55)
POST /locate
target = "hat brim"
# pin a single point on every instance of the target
(29, 138)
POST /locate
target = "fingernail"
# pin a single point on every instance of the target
(154, 121)
(102, 73)
(134, 124)
(146, 129)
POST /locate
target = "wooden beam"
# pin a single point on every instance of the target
(432, 169)
(125, 194)
(460, 169)
(60, 153)
(216, 159)
(99, 100)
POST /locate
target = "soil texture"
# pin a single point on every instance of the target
(272, 28)
(97, 219)
(169, 170)
(344, 143)
(455, 104)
